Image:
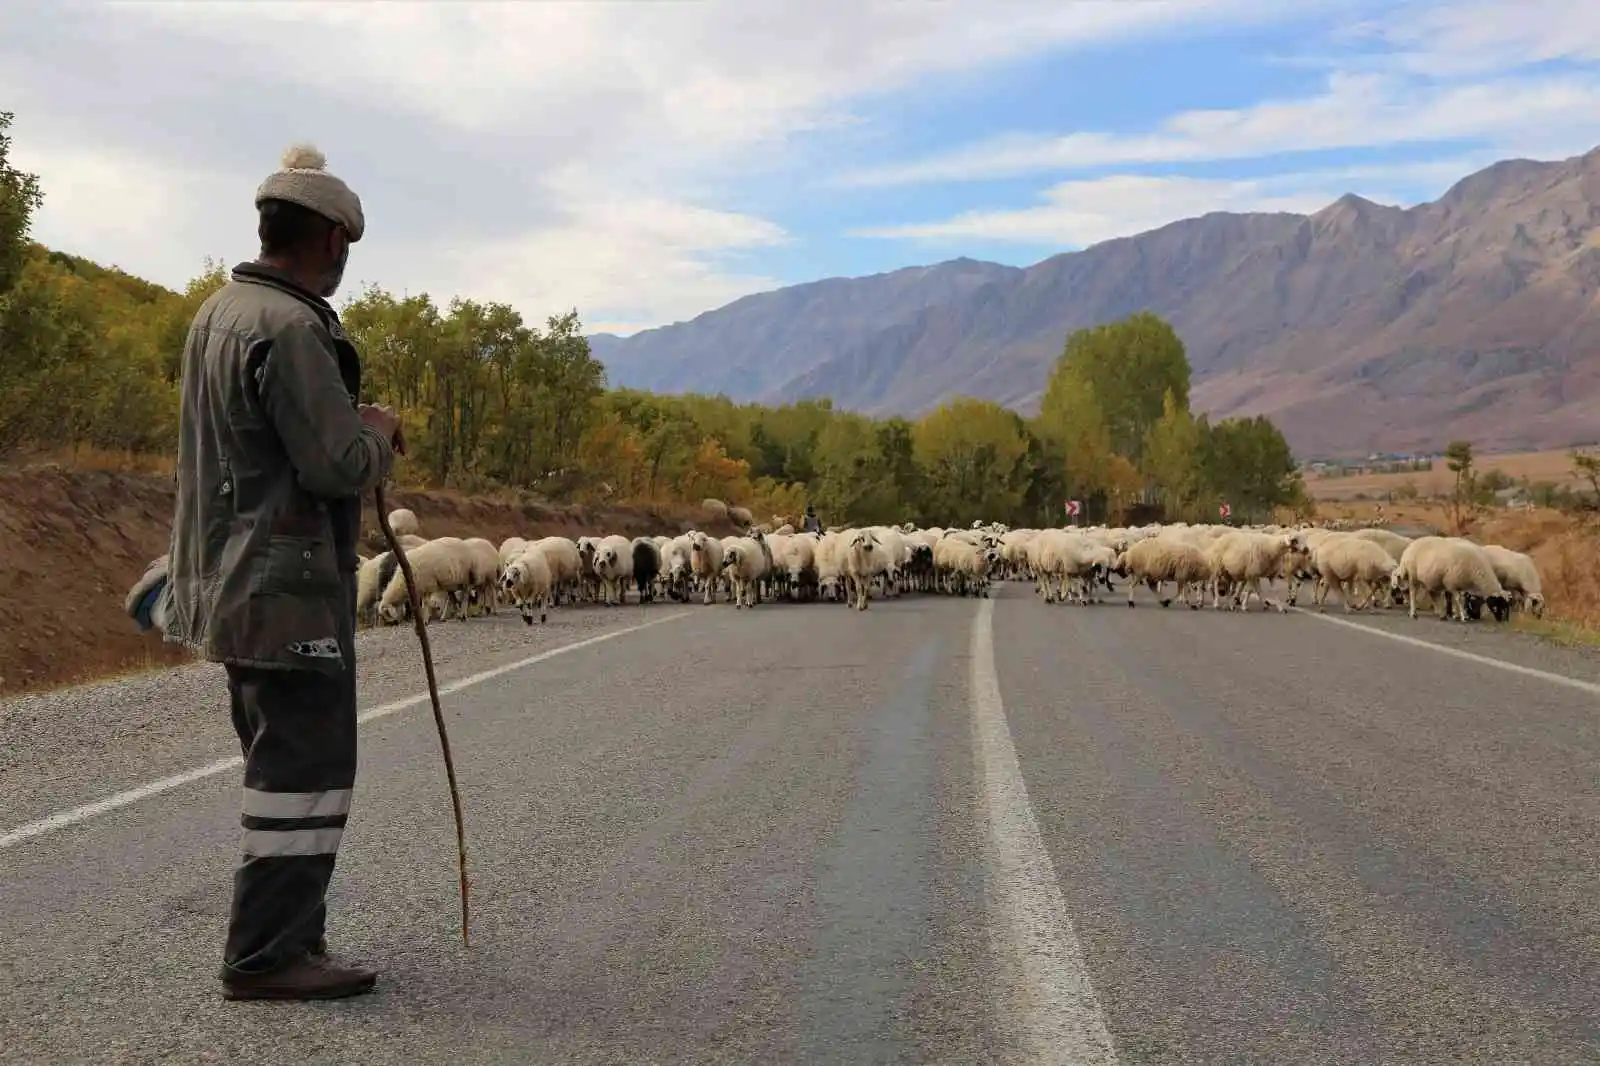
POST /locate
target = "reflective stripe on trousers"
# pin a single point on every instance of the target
(279, 843)
(327, 804)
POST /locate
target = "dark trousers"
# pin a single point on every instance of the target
(298, 732)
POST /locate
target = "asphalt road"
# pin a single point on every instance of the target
(942, 831)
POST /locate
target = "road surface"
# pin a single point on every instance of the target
(942, 831)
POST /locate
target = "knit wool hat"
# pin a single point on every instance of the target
(304, 180)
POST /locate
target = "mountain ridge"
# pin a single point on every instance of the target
(1359, 327)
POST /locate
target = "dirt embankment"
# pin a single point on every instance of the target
(73, 541)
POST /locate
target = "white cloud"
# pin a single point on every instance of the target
(548, 154)
(1472, 37)
(1355, 111)
(1076, 214)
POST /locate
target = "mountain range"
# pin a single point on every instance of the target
(1362, 327)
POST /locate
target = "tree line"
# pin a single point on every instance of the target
(91, 357)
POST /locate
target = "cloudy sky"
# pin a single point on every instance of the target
(645, 162)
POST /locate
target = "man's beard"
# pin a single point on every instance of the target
(335, 276)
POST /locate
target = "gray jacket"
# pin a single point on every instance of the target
(272, 463)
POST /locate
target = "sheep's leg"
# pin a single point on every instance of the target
(1266, 603)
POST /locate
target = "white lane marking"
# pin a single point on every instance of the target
(1472, 657)
(63, 819)
(1054, 1012)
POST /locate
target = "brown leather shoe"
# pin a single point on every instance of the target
(308, 977)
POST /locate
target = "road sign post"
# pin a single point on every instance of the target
(1074, 509)
(1225, 512)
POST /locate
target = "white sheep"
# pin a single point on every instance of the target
(402, 521)
(1388, 540)
(744, 563)
(528, 583)
(1245, 557)
(1448, 568)
(828, 556)
(677, 566)
(510, 548)
(1519, 576)
(613, 565)
(861, 560)
(443, 569)
(706, 561)
(566, 566)
(485, 564)
(1157, 560)
(1355, 566)
(1067, 564)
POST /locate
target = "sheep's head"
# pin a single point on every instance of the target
(391, 612)
(731, 557)
(1499, 606)
(861, 539)
(513, 574)
(1535, 602)
(606, 557)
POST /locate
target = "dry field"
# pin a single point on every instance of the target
(1554, 466)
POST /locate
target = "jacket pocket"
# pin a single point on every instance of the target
(295, 565)
(291, 630)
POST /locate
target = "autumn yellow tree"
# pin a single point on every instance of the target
(969, 451)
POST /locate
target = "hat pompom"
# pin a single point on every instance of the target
(304, 157)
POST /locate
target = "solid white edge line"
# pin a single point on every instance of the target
(1472, 657)
(63, 819)
(1054, 1011)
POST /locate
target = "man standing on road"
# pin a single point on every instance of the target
(274, 455)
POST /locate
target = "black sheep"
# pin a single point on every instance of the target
(646, 565)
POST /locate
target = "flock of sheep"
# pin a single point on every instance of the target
(1369, 568)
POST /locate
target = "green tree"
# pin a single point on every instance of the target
(1129, 367)
(853, 479)
(1073, 424)
(1248, 464)
(1172, 451)
(20, 197)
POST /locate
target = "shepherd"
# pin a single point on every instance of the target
(275, 452)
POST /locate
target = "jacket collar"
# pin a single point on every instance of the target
(262, 274)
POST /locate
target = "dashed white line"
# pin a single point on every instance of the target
(1472, 657)
(1048, 1003)
(63, 819)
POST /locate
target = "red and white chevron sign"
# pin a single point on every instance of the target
(1073, 507)
(1225, 511)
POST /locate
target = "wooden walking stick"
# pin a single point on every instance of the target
(433, 693)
